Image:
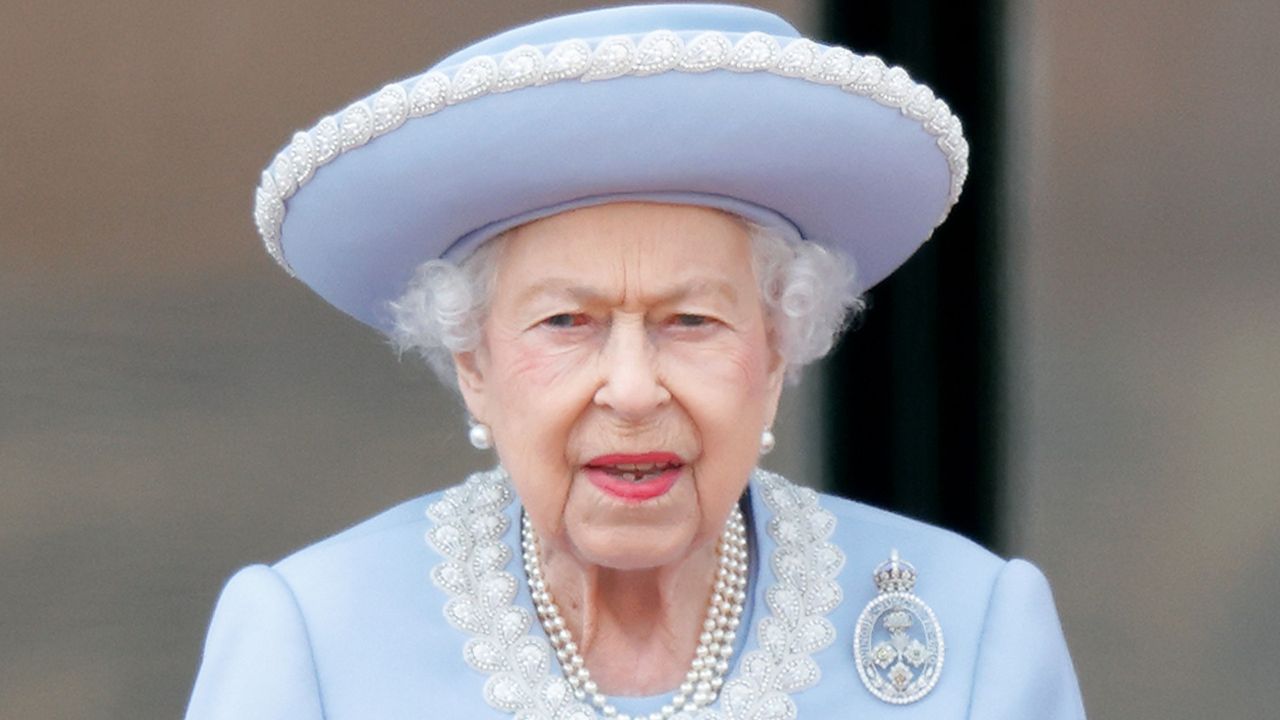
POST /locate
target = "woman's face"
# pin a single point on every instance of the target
(626, 373)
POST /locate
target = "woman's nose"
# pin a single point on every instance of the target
(629, 380)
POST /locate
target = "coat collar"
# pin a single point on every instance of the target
(475, 531)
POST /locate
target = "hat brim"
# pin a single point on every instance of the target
(842, 169)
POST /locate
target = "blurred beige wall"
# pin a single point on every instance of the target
(172, 406)
(1145, 343)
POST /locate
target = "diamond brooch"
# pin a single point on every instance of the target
(898, 642)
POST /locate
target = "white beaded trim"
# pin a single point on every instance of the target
(657, 52)
(468, 526)
(805, 591)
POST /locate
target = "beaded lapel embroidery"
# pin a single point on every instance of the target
(469, 524)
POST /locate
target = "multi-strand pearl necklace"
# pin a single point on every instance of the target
(715, 644)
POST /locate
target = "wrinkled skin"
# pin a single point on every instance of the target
(627, 328)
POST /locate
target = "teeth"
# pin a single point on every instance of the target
(638, 467)
(636, 472)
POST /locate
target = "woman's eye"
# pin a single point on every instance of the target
(690, 320)
(566, 320)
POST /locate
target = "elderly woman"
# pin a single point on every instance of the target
(619, 233)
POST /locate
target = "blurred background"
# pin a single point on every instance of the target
(1082, 369)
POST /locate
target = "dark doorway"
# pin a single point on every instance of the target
(913, 408)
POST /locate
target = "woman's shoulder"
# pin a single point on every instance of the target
(355, 614)
(967, 584)
(867, 535)
(394, 535)
(859, 525)
(1005, 652)
(403, 516)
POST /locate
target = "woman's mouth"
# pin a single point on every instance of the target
(635, 477)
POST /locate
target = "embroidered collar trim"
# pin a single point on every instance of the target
(469, 524)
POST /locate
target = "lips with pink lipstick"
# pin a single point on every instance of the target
(636, 477)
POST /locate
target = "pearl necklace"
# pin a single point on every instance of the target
(715, 644)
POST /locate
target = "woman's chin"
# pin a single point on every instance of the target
(623, 531)
(620, 551)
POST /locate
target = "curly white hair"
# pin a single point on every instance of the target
(808, 292)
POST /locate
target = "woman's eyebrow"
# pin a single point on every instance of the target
(573, 288)
(703, 286)
(561, 287)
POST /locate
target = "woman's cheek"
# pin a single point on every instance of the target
(725, 362)
(544, 364)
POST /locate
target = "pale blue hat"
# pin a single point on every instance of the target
(713, 105)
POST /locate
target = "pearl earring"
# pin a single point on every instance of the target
(481, 436)
(767, 441)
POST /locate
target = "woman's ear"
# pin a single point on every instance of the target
(777, 378)
(471, 381)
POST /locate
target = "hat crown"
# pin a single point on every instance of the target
(711, 105)
(626, 20)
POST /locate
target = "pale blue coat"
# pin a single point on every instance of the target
(352, 628)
